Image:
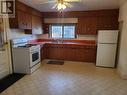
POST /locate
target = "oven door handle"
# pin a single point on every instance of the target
(35, 50)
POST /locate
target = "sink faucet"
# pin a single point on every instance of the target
(59, 40)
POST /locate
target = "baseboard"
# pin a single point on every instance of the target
(123, 76)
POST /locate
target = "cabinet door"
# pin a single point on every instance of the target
(28, 21)
(80, 29)
(88, 54)
(36, 25)
(69, 54)
(91, 25)
(60, 52)
(85, 54)
(46, 28)
(24, 20)
(107, 23)
(39, 24)
(21, 20)
(54, 52)
(45, 52)
(80, 54)
(87, 25)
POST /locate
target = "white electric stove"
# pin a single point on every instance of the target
(26, 57)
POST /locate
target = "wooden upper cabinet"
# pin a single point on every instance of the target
(87, 25)
(28, 21)
(46, 28)
(108, 23)
(24, 20)
(90, 25)
(36, 25)
(20, 21)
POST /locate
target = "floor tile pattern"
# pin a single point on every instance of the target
(72, 78)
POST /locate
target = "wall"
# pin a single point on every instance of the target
(89, 22)
(5, 56)
(68, 20)
(16, 33)
(122, 61)
(75, 14)
(79, 37)
(19, 33)
(86, 37)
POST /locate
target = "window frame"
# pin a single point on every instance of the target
(54, 24)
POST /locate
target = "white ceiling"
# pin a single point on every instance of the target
(82, 6)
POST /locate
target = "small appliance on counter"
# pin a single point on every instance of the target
(25, 57)
(106, 48)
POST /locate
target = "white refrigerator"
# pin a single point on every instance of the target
(106, 48)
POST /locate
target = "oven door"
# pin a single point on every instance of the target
(34, 57)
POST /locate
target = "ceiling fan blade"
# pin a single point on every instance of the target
(68, 5)
(48, 2)
(54, 6)
(72, 0)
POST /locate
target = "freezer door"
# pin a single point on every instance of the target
(106, 55)
(107, 36)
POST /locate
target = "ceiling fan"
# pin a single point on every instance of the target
(61, 4)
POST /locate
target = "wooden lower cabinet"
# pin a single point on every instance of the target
(70, 53)
(54, 52)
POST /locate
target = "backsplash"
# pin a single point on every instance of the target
(19, 33)
(86, 37)
(79, 37)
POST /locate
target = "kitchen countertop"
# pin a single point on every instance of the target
(64, 42)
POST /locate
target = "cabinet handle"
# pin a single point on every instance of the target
(110, 26)
(88, 29)
(106, 25)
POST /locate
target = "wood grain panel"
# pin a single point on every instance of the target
(87, 26)
(70, 53)
(89, 22)
(23, 16)
(95, 13)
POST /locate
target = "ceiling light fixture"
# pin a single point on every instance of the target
(61, 6)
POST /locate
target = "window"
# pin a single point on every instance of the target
(56, 31)
(62, 31)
